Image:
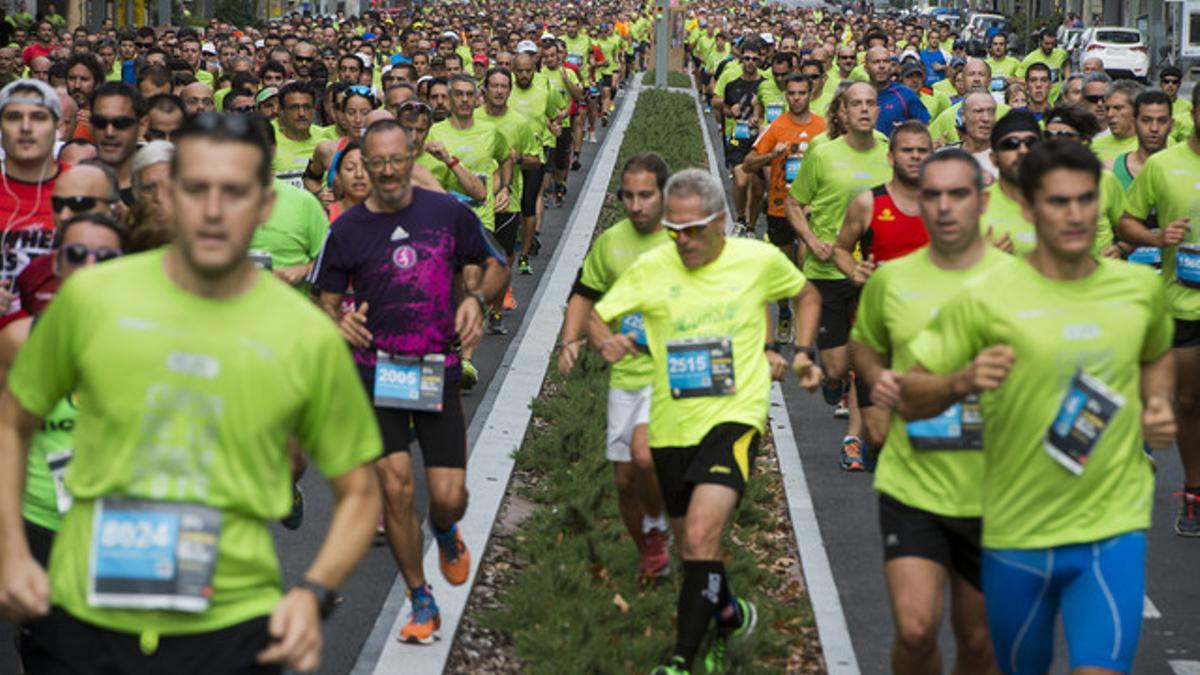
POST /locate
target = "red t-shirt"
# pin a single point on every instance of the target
(26, 228)
(35, 50)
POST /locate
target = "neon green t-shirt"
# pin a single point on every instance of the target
(831, 176)
(579, 52)
(515, 128)
(291, 157)
(1029, 499)
(536, 105)
(1170, 182)
(898, 301)
(1056, 59)
(187, 399)
(943, 126)
(294, 233)
(723, 299)
(40, 505)
(945, 87)
(1008, 66)
(1003, 216)
(481, 148)
(560, 94)
(1108, 146)
(611, 254)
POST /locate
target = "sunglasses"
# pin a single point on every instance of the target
(304, 59)
(76, 204)
(1014, 142)
(242, 109)
(77, 254)
(1171, 80)
(1062, 134)
(691, 229)
(100, 122)
(1093, 98)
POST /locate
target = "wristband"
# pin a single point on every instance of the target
(808, 351)
(481, 300)
(454, 161)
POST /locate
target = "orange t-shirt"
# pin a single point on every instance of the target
(784, 167)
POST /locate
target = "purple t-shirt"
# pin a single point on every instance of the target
(403, 265)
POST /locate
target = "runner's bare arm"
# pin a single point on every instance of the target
(924, 395)
(854, 226)
(24, 587)
(1158, 416)
(579, 309)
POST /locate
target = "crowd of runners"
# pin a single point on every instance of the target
(982, 259)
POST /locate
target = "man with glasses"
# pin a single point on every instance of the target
(710, 387)
(165, 391)
(296, 135)
(304, 54)
(404, 248)
(1094, 87)
(1004, 224)
(197, 98)
(118, 121)
(164, 115)
(1170, 80)
(737, 99)
(29, 114)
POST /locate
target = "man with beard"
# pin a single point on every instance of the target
(84, 74)
(1004, 225)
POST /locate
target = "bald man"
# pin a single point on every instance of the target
(197, 98)
(897, 102)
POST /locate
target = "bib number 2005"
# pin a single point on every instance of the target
(409, 382)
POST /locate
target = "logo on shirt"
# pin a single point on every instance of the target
(404, 257)
(399, 233)
(886, 214)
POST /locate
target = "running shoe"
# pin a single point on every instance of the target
(470, 375)
(523, 265)
(852, 454)
(536, 247)
(783, 330)
(841, 411)
(296, 517)
(495, 324)
(604, 120)
(1187, 523)
(560, 195)
(453, 557)
(510, 303)
(424, 623)
(675, 666)
(591, 136)
(747, 621)
(656, 562)
(832, 393)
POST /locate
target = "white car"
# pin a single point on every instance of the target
(1122, 51)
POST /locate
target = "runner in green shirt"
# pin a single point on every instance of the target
(702, 307)
(1167, 186)
(1004, 224)
(160, 459)
(1067, 485)
(630, 386)
(1048, 53)
(929, 472)
(1004, 67)
(296, 137)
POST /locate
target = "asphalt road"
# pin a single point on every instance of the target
(847, 514)
(348, 629)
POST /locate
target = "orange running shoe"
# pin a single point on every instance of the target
(424, 624)
(509, 301)
(455, 562)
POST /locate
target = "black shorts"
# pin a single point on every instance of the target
(531, 183)
(1187, 334)
(442, 435)
(41, 540)
(724, 457)
(952, 543)
(562, 151)
(839, 300)
(60, 644)
(508, 224)
(606, 81)
(779, 231)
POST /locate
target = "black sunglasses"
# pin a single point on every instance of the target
(76, 204)
(1172, 80)
(119, 123)
(242, 109)
(1014, 142)
(77, 254)
(1093, 98)
(1062, 134)
(304, 59)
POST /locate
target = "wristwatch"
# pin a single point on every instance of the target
(811, 352)
(483, 305)
(327, 599)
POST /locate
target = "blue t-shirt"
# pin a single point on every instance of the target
(930, 57)
(898, 103)
(403, 264)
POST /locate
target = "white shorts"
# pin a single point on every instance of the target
(627, 410)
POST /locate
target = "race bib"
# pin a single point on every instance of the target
(791, 168)
(1146, 255)
(999, 83)
(153, 555)
(57, 461)
(700, 367)
(293, 178)
(634, 324)
(262, 260)
(1187, 265)
(410, 382)
(773, 111)
(741, 131)
(1085, 412)
(575, 59)
(959, 427)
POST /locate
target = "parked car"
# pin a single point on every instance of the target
(1123, 51)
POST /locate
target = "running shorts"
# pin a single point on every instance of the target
(952, 543)
(1187, 334)
(1096, 586)
(508, 224)
(442, 435)
(627, 410)
(531, 183)
(779, 231)
(723, 457)
(60, 644)
(839, 300)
